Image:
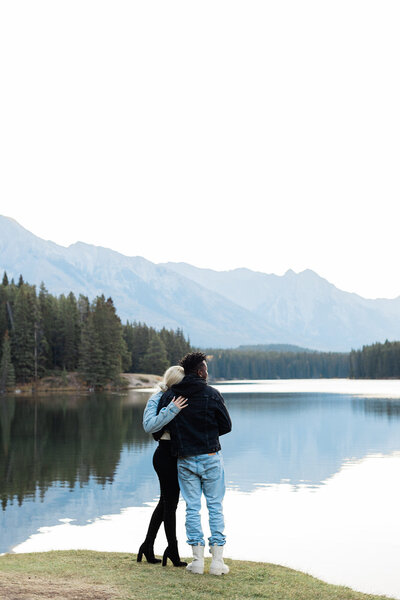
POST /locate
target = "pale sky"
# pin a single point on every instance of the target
(259, 134)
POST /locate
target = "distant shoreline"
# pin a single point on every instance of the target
(71, 382)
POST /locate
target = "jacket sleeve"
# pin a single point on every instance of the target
(222, 415)
(152, 421)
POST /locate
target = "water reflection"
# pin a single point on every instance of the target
(63, 439)
(379, 407)
(76, 459)
(302, 438)
(335, 532)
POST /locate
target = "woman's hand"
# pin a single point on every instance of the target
(180, 402)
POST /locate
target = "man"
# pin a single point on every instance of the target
(195, 435)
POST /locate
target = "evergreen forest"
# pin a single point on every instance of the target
(42, 334)
(259, 364)
(377, 361)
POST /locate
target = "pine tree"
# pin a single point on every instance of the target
(7, 373)
(5, 279)
(91, 364)
(23, 335)
(126, 357)
(183, 345)
(155, 360)
(109, 329)
(48, 309)
(70, 331)
(11, 295)
(104, 327)
(129, 337)
(83, 308)
(3, 312)
(140, 344)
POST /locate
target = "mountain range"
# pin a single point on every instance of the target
(216, 309)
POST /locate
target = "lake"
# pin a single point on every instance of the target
(312, 470)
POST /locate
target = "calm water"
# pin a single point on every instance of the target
(313, 472)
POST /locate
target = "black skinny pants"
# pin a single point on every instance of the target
(165, 466)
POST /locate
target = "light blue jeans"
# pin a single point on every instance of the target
(197, 474)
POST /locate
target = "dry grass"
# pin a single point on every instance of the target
(34, 587)
(84, 575)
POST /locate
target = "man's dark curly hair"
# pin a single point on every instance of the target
(192, 361)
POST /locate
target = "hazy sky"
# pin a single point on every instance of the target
(262, 134)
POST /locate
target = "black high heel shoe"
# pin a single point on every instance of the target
(172, 553)
(149, 554)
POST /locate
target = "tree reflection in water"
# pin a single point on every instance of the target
(65, 439)
(379, 406)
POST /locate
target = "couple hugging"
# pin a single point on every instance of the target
(187, 416)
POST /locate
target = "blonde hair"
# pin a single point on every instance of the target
(171, 376)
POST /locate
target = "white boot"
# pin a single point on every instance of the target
(197, 564)
(218, 567)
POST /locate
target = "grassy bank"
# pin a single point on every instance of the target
(84, 575)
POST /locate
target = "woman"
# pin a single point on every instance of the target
(165, 466)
